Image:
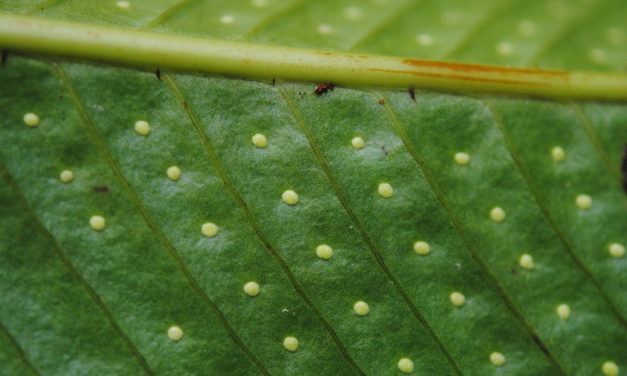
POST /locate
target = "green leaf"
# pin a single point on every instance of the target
(78, 301)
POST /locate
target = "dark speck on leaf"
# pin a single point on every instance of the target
(381, 101)
(185, 104)
(273, 81)
(158, 74)
(323, 88)
(100, 188)
(412, 93)
(540, 344)
(385, 150)
(5, 55)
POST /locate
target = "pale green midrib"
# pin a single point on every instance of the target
(561, 235)
(20, 351)
(398, 128)
(257, 229)
(97, 139)
(181, 53)
(74, 272)
(362, 231)
(585, 122)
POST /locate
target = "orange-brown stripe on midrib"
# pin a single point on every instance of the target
(462, 67)
(461, 77)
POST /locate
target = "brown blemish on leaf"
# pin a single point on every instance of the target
(100, 188)
(381, 101)
(412, 94)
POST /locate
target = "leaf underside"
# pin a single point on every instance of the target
(81, 302)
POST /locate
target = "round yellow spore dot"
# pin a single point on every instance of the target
(497, 359)
(424, 40)
(290, 343)
(209, 229)
(361, 308)
(558, 154)
(31, 119)
(251, 288)
(497, 214)
(598, 55)
(526, 28)
(260, 141)
(385, 190)
(175, 333)
(227, 19)
(142, 127)
(616, 250)
(462, 158)
(458, 299)
(584, 202)
(610, 369)
(174, 173)
(422, 248)
(405, 365)
(290, 197)
(358, 143)
(505, 48)
(324, 251)
(563, 311)
(352, 13)
(324, 29)
(526, 261)
(97, 222)
(66, 176)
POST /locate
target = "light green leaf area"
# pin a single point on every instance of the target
(77, 301)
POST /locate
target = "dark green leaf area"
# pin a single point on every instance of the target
(125, 264)
(12, 362)
(152, 267)
(588, 233)
(536, 223)
(261, 175)
(414, 214)
(45, 307)
(221, 265)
